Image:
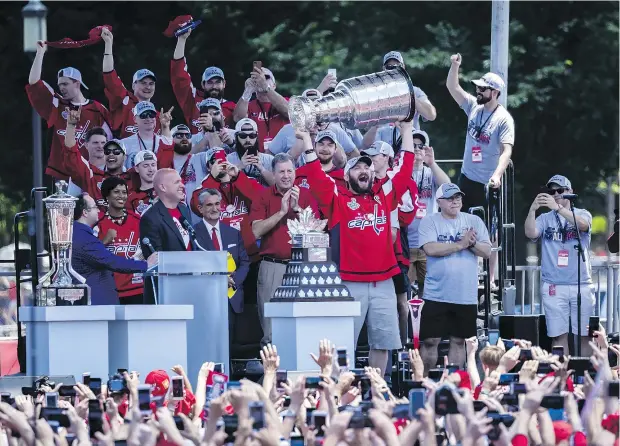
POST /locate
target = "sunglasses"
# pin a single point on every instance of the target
(418, 146)
(115, 151)
(559, 190)
(148, 115)
(483, 89)
(247, 135)
(182, 136)
(267, 77)
(391, 67)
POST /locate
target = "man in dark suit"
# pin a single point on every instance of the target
(91, 259)
(214, 235)
(165, 222)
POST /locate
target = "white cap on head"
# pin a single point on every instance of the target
(560, 180)
(141, 74)
(144, 155)
(142, 107)
(246, 121)
(448, 190)
(353, 162)
(426, 140)
(394, 55)
(490, 80)
(72, 73)
(379, 147)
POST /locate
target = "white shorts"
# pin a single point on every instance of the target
(561, 302)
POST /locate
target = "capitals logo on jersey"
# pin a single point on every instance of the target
(304, 183)
(142, 206)
(234, 210)
(128, 246)
(374, 220)
(80, 133)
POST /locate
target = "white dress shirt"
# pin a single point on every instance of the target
(217, 231)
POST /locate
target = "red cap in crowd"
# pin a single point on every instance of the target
(563, 431)
(176, 24)
(159, 380)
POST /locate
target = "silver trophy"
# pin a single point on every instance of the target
(61, 286)
(358, 103)
(311, 275)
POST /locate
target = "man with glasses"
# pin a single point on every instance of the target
(453, 241)
(558, 232)
(213, 85)
(269, 109)
(52, 107)
(489, 138)
(120, 99)
(145, 116)
(213, 131)
(246, 156)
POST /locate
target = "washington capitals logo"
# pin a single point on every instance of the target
(80, 134)
(234, 210)
(125, 246)
(374, 220)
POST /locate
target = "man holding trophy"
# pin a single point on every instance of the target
(365, 267)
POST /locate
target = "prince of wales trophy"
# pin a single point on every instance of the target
(311, 274)
(61, 286)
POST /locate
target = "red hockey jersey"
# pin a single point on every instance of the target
(366, 245)
(189, 97)
(237, 198)
(301, 180)
(125, 244)
(268, 120)
(122, 102)
(140, 200)
(51, 107)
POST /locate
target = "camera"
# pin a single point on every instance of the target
(117, 385)
(444, 399)
(36, 390)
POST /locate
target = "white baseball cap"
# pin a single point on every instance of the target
(394, 55)
(72, 73)
(246, 121)
(423, 136)
(143, 106)
(379, 147)
(560, 180)
(144, 155)
(490, 80)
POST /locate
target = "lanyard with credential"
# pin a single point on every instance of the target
(266, 116)
(481, 127)
(144, 145)
(563, 229)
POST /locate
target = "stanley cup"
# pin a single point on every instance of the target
(61, 286)
(415, 308)
(359, 102)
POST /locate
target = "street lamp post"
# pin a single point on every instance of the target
(35, 29)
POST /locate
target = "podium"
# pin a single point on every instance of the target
(198, 278)
(67, 340)
(149, 337)
(297, 328)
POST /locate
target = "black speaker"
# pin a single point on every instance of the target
(14, 384)
(531, 327)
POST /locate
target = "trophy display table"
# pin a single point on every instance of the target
(297, 328)
(67, 340)
(198, 278)
(148, 337)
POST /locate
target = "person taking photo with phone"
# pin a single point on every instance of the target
(558, 232)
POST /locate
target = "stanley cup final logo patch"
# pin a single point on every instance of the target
(353, 204)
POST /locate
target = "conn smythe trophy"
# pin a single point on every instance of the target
(311, 275)
(359, 102)
(61, 286)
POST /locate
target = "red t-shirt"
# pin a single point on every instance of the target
(176, 218)
(125, 244)
(51, 107)
(122, 102)
(276, 242)
(268, 120)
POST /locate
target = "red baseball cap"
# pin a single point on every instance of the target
(159, 381)
(563, 431)
(175, 24)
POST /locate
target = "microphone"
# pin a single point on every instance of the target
(147, 242)
(192, 232)
(570, 196)
(184, 29)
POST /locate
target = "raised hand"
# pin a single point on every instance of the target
(270, 359)
(295, 198)
(217, 168)
(74, 116)
(285, 202)
(417, 365)
(456, 59)
(41, 47)
(546, 200)
(326, 356)
(165, 118)
(259, 79)
(107, 35)
(329, 81)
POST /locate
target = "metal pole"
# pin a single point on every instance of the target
(37, 181)
(500, 26)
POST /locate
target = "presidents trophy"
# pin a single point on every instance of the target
(61, 286)
(311, 274)
(415, 308)
(359, 102)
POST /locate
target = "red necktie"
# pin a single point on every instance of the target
(216, 243)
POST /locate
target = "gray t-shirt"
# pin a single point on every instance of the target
(495, 128)
(559, 256)
(252, 171)
(426, 204)
(285, 139)
(454, 278)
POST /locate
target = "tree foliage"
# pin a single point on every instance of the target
(562, 86)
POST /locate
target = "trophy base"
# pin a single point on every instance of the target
(67, 296)
(310, 299)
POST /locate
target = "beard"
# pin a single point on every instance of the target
(358, 189)
(241, 148)
(215, 93)
(481, 100)
(182, 149)
(325, 159)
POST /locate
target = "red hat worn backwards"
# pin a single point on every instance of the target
(159, 381)
(176, 24)
(94, 36)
